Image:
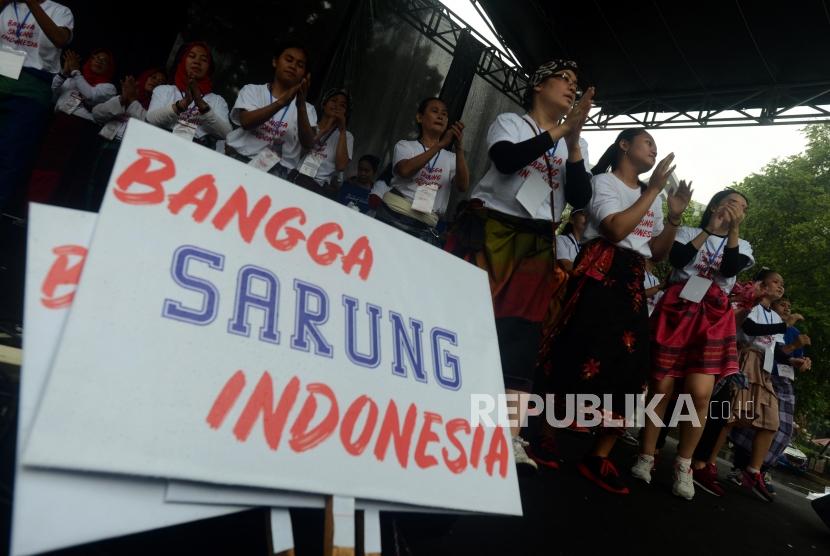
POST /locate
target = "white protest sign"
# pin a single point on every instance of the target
(57, 509)
(262, 332)
(11, 62)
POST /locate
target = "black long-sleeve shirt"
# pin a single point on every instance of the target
(509, 158)
(732, 262)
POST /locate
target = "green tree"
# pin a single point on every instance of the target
(788, 225)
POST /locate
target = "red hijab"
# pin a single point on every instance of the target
(94, 78)
(205, 84)
(143, 94)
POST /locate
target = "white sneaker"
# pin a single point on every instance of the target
(520, 455)
(642, 468)
(684, 485)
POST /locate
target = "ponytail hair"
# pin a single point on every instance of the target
(715, 201)
(610, 159)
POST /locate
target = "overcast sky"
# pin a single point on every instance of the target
(712, 158)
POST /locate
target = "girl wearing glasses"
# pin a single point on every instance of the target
(693, 327)
(539, 163)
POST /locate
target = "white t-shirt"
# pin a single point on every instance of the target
(326, 153)
(498, 191)
(68, 91)
(567, 247)
(165, 95)
(761, 316)
(439, 170)
(649, 281)
(281, 130)
(380, 189)
(41, 53)
(708, 259)
(610, 196)
(112, 113)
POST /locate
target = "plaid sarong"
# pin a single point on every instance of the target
(743, 437)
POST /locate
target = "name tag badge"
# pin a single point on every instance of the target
(110, 130)
(11, 63)
(311, 165)
(265, 159)
(424, 200)
(695, 289)
(184, 129)
(533, 192)
(72, 103)
(786, 371)
(769, 358)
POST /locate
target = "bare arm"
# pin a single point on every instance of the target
(615, 227)
(461, 181)
(60, 36)
(677, 202)
(251, 119)
(411, 166)
(341, 154)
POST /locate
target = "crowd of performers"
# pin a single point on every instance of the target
(576, 312)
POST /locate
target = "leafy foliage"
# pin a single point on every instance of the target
(788, 225)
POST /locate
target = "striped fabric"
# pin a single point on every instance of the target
(743, 437)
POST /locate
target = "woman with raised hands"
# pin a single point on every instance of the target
(693, 327)
(67, 151)
(333, 146)
(599, 344)
(276, 122)
(538, 164)
(189, 107)
(424, 173)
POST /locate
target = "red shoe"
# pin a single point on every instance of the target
(603, 473)
(756, 483)
(545, 453)
(707, 479)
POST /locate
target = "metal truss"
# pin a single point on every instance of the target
(782, 104)
(795, 104)
(437, 22)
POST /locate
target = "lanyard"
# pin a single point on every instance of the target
(324, 140)
(538, 131)
(549, 166)
(546, 156)
(767, 314)
(573, 240)
(284, 112)
(715, 254)
(431, 167)
(188, 106)
(20, 24)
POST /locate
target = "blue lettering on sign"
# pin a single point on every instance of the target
(176, 310)
(402, 344)
(258, 291)
(371, 360)
(307, 320)
(246, 299)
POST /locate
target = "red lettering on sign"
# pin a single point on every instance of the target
(65, 271)
(143, 183)
(139, 173)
